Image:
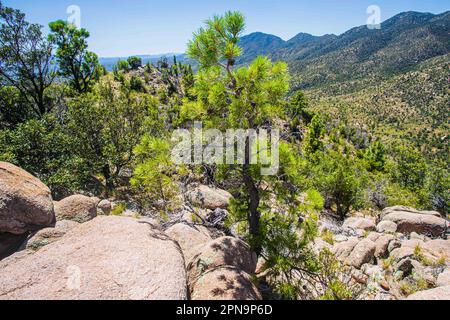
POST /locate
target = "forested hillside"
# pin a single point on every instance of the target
(392, 81)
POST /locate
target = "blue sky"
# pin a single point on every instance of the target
(129, 27)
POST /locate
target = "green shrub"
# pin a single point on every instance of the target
(327, 236)
(122, 65)
(341, 179)
(410, 169)
(137, 84)
(314, 138)
(119, 209)
(375, 157)
(44, 148)
(134, 62)
(155, 176)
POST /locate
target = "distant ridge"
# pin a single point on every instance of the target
(109, 62)
(402, 42)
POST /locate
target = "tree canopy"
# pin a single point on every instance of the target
(75, 61)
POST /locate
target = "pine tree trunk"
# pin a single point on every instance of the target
(254, 215)
(108, 180)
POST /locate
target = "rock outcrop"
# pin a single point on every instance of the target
(410, 220)
(387, 227)
(225, 283)
(343, 249)
(107, 258)
(210, 198)
(439, 293)
(48, 235)
(382, 242)
(389, 210)
(359, 223)
(431, 251)
(66, 252)
(362, 253)
(443, 279)
(77, 208)
(224, 251)
(189, 238)
(226, 259)
(104, 207)
(25, 202)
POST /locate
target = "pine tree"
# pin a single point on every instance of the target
(315, 135)
(244, 98)
(76, 63)
(375, 156)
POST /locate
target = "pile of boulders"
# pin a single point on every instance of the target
(408, 220)
(83, 247)
(67, 251)
(402, 253)
(106, 258)
(217, 269)
(74, 248)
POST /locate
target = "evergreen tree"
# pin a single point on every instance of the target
(25, 59)
(134, 62)
(375, 156)
(297, 107)
(76, 63)
(243, 98)
(316, 132)
(410, 169)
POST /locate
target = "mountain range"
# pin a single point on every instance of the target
(392, 81)
(402, 42)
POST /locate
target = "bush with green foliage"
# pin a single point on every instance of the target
(14, 108)
(314, 138)
(155, 175)
(341, 178)
(437, 186)
(122, 65)
(297, 108)
(375, 157)
(107, 124)
(334, 280)
(44, 148)
(410, 168)
(137, 84)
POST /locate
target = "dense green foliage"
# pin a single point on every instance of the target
(25, 61)
(107, 124)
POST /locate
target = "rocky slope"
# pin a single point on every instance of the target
(82, 252)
